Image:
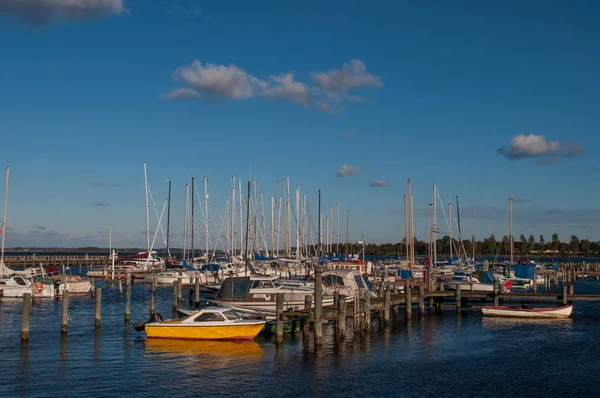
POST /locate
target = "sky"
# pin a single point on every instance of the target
(488, 100)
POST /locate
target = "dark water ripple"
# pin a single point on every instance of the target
(440, 355)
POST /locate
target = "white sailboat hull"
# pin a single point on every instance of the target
(519, 312)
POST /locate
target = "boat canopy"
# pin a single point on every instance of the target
(524, 271)
(235, 288)
(405, 274)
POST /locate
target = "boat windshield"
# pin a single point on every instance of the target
(360, 283)
(209, 317)
(234, 288)
(230, 315)
(262, 284)
(333, 280)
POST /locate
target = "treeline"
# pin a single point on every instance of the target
(522, 246)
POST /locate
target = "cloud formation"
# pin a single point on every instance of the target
(97, 183)
(346, 171)
(379, 183)
(101, 204)
(212, 83)
(536, 146)
(40, 12)
(40, 227)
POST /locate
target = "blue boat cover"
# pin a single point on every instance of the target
(405, 273)
(524, 271)
(210, 267)
(258, 257)
(488, 277)
(479, 267)
(554, 267)
(187, 266)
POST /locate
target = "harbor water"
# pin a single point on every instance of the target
(438, 355)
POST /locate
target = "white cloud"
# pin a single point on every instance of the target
(284, 87)
(379, 183)
(537, 146)
(337, 82)
(101, 204)
(39, 12)
(214, 82)
(346, 171)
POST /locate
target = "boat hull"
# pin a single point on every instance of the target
(164, 330)
(519, 312)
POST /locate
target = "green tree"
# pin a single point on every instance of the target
(542, 243)
(585, 246)
(505, 244)
(555, 241)
(531, 244)
(574, 245)
(523, 245)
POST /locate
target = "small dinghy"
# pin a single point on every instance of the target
(527, 311)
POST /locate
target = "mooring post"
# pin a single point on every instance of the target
(457, 298)
(421, 300)
(496, 294)
(307, 320)
(556, 279)
(153, 296)
(92, 282)
(336, 296)
(357, 314)
(367, 312)
(572, 289)
(386, 307)
(120, 283)
(279, 319)
(98, 307)
(174, 296)
(65, 312)
(25, 317)
(318, 304)
(197, 283)
(534, 281)
(128, 297)
(407, 299)
(341, 323)
(564, 294)
(179, 291)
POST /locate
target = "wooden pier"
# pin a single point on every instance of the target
(56, 261)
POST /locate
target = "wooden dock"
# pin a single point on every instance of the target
(56, 261)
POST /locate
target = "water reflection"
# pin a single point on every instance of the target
(171, 347)
(508, 323)
(97, 335)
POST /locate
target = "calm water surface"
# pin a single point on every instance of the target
(439, 355)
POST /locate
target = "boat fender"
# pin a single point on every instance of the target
(139, 326)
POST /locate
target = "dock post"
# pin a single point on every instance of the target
(279, 319)
(407, 299)
(556, 279)
(128, 297)
(457, 298)
(65, 313)
(534, 280)
(341, 323)
(120, 283)
(307, 305)
(367, 312)
(98, 307)
(174, 296)
(357, 314)
(25, 317)
(197, 282)
(572, 288)
(93, 283)
(421, 300)
(318, 305)
(179, 291)
(564, 294)
(386, 307)
(496, 295)
(153, 296)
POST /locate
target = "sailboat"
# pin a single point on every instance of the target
(13, 285)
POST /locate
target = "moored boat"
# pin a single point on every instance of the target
(528, 311)
(213, 323)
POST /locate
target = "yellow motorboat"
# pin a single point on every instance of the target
(212, 323)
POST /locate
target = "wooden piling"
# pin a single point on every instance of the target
(318, 304)
(386, 307)
(65, 312)
(572, 289)
(357, 313)
(92, 282)
(98, 307)
(153, 296)
(421, 300)
(367, 312)
(279, 319)
(120, 283)
(341, 323)
(179, 291)
(174, 296)
(496, 294)
(25, 317)
(534, 281)
(457, 298)
(197, 286)
(556, 279)
(128, 297)
(307, 305)
(407, 299)
(564, 294)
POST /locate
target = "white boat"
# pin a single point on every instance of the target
(16, 286)
(74, 284)
(481, 281)
(344, 282)
(528, 311)
(259, 293)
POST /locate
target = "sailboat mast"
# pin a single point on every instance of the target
(185, 220)
(511, 231)
(406, 228)
(450, 227)
(168, 220)
(247, 230)
(4, 217)
(459, 227)
(233, 237)
(435, 229)
(192, 231)
(319, 236)
(206, 220)
(298, 225)
(347, 225)
(147, 217)
(241, 215)
(337, 246)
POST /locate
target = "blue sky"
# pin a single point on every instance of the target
(489, 100)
